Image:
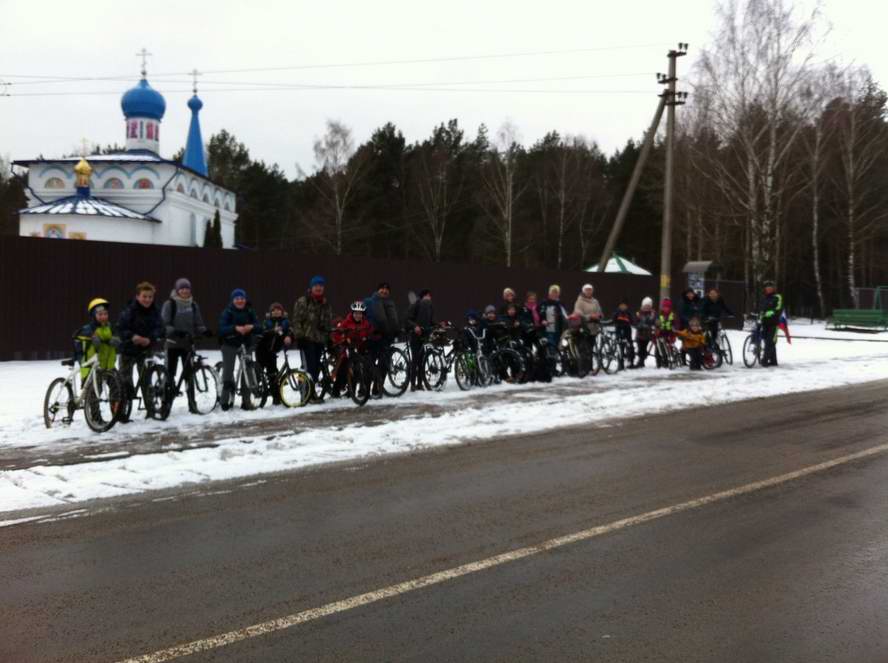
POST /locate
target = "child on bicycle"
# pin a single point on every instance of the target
(96, 338)
(623, 323)
(238, 327)
(183, 323)
(139, 328)
(665, 330)
(645, 323)
(693, 340)
(353, 330)
(276, 336)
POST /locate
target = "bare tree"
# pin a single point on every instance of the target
(501, 189)
(339, 169)
(754, 81)
(861, 138)
(439, 178)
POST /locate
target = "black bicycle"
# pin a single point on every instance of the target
(200, 380)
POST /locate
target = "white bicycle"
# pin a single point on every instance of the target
(100, 396)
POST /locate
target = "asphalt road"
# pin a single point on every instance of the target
(793, 572)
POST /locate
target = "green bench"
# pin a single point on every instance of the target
(845, 318)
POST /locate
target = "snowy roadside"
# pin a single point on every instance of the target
(457, 417)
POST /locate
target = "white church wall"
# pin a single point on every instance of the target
(94, 228)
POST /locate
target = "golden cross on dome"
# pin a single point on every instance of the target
(144, 54)
(194, 74)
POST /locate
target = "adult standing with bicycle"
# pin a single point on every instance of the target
(183, 323)
(383, 315)
(139, 328)
(770, 309)
(311, 323)
(238, 327)
(714, 308)
(589, 309)
(553, 315)
(420, 319)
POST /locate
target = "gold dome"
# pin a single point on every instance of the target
(83, 171)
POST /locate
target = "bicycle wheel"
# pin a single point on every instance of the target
(509, 367)
(485, 372)
(434, 370)
(724, 346)
(397, 377)
(751, 351)
(360, 379)
(206, 389)
(607, 355)
(579, 360)
(101, 400)
(712, 358)
(462, 372)
(58, 404)
(295, 388)
(154, 390)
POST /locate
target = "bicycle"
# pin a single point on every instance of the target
(667, 355)
(578, 352)
(752, 346)
(439, 354)
(397, 375)
(149, 389)
(721, 344)
(606, 349)
(294, 385)
(249, 380)
(201, 383)
(349, 356)
(506, 364)
(100, 396)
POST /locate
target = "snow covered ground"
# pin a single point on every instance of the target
(44, 468)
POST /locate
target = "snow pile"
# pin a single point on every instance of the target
(505, 410)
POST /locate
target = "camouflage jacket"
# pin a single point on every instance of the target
(312, 320)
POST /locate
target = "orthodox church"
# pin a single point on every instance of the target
(136, 196)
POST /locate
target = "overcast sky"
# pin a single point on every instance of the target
(101, 38)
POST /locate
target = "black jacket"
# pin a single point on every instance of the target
(689, 307)
(421, 314)
(136, 320)
(715, 309)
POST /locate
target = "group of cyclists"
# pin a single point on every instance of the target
(360, 354)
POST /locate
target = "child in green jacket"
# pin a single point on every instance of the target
(97, 337)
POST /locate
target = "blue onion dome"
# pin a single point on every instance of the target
(143, 101)
(195, 104)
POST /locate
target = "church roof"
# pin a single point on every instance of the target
(87, 206)
(140, 156)
(194, 147)
(143, 101)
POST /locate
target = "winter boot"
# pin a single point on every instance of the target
(227, 395)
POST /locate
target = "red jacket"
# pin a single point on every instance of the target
(350, 329)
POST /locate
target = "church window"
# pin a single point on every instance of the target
(55, 183)
(144, 183)
(180, 188)
(149, 130)
(194, 194)
(206, 198)
(113, 183)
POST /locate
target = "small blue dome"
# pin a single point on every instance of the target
(143, 101)
(195, 104)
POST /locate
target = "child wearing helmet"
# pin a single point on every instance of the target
(97, 337)
(354, 329)
(276, 335)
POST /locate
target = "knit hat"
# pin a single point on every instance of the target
(647, 302)
(238, 292)
(183, 283)
(471, 313)
(555, 287)
(666, 303)
(317, 280)
(276, 305)
(508, 291)
(490, 308)
(384, 284)
(424, 292)
(588, 286)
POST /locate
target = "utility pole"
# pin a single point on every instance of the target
(673, 99)
(633, 184)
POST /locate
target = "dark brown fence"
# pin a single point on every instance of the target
(47, 284)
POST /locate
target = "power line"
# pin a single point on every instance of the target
(376, 63)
